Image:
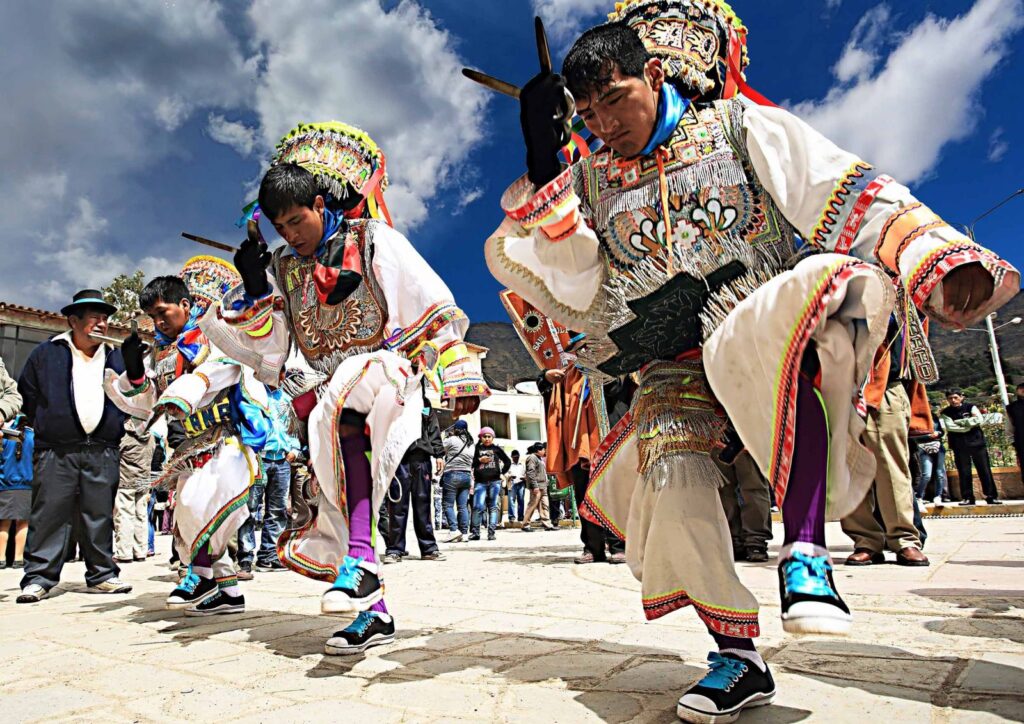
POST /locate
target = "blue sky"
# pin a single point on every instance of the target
(139, 120)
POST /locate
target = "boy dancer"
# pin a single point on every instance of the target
(224, 413)
(671, 247)
(358, 301)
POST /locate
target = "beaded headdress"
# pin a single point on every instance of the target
(701, 43)
(208, 279)
(339, 156)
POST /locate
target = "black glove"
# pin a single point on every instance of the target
(251, 261)
(133, 350)
(545, 112)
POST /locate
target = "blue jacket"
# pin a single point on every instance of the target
(48, 400)
(16, 460)
(280, 441)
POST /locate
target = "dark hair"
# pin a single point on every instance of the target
(515, 453)
(167, 289)
(1020, 384)
(594, 56)
(954, 391)
(284, 186)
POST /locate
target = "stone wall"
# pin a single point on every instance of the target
(1008, 483)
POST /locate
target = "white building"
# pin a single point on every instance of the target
(516, 417)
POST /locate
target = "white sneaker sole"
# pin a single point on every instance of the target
(98, 590)
(812, 617)
(337, 602)
(346, 650)
(179, 605)
(216, 611)
(700, 717)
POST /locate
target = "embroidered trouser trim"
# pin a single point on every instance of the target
(678, 545)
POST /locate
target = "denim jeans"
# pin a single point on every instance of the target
(456, 489)
(930, 462)
(486, 498)
(438, 505)
(271, 516)
(517, 502)
(149, 518)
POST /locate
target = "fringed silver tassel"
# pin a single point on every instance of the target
(686, 470)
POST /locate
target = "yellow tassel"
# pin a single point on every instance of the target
(660, 154)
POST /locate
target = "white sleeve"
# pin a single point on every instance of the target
(839, 203)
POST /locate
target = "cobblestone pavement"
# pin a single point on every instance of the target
(513, 631)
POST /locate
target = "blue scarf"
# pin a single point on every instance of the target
(332, 222)
(189, 340)
(671, 107)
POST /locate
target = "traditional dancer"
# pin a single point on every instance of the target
(358, 301)
(225, 417)
(674, 248)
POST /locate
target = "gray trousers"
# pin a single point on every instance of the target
(89, 475)
(750, 524)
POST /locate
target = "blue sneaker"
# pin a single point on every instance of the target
(810, 602)
(369, 629)
(193, 590)
(355, 589)
(731, 685)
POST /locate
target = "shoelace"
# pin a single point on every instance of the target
(189, 583)
(724, 671)
(349, 573)
(808, 575)
(362, 622)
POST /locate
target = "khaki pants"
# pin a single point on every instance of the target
(131, 526)
(892, 492)
(538, 500)
(750, 524)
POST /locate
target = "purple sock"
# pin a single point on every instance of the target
(379, 607)
(803, 510)
(358, 486)
(731, 642)
(202, 558)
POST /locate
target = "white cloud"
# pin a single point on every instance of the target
(564, 20)
(235, 134)
(94, 93)
(924, 96)
(997, 146)
(861, 53)
(394, 73)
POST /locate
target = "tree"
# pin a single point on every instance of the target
(123, 293)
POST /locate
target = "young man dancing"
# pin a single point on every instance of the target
(223, 410)
(674, 249)
(358, 302)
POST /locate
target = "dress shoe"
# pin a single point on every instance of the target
(757, 554)
(911, 556)
(865, 557)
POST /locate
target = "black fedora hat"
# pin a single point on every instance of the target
(88, 298)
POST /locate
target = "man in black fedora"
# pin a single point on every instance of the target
(78, 434)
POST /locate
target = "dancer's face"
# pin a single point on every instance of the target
(301, 227)
(623, 112)
(168, 317)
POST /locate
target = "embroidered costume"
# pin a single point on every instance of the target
(223, 411)
(685, 265)
(365, 348)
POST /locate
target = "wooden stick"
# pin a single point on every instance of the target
(489, 81)
(209, 242)
(543, 52)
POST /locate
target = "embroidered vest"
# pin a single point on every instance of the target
(728, 238)
(327, 334)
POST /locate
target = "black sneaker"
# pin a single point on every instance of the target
(270, 566)
(810, 602)
(491, 536)
(993, 501)
(192, 590)
(217, 604)
(355, 589)
(756, 554)
(474, 537)
(732, 685)
(369, 629)
(967, 501)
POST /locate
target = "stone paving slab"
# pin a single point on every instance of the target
(512, 631)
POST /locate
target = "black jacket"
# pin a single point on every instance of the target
(429, 445)
(49, 400)
(489, 463)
